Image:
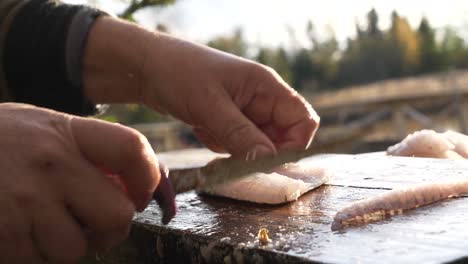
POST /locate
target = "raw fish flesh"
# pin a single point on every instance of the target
(459, 140)
(430, 144)
(285, 184)
(424, 143)
(395, 202)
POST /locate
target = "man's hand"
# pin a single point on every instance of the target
(54, 198)
(234, 105)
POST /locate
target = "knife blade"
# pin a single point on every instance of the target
(228, 169)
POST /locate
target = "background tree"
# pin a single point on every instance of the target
(303, 71)
(373, 23)
(277, 59)
(234, 44)
(321, 64)
(136, 5)
(430, 59)
(367, 57)
(325, 55)
(406, 46)
(452, 49)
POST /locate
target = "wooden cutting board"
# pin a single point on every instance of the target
(217, 230)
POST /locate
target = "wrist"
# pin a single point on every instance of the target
(113, 60)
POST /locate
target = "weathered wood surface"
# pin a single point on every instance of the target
(216, 230)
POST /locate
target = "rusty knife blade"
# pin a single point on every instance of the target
(228, 169)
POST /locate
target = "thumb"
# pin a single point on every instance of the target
(235, 132)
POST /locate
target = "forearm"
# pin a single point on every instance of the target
(113, 60)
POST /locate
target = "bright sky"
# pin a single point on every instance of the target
(265, 22)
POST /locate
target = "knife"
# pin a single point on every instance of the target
(224, 170)
(228, 169)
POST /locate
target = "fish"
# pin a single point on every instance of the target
(430, 144)
(424, 143)
(396, 201)
(459, 140)
(284, 184)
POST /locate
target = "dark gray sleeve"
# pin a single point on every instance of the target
(8, 9)
(42, 50)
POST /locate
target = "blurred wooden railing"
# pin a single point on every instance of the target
(438, 102)
(374, 116)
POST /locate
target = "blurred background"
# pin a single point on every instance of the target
(375, 69)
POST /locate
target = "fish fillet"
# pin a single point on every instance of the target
(459, 140)
(287, 183)
(395, 202)
(430, 144)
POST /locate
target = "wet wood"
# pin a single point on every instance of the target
(216, 230)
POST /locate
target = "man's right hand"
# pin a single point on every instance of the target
(54, 199)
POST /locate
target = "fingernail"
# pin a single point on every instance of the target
(259, 151)
(165, 197)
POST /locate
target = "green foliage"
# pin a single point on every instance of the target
(276, 59)
(373, 23)
(234, 44)
(369, 57)
(304, 71)
(136, 5)
(452, 49)
(324, 55)
(373, 55)
(132, 114)
(405, 43)
(430, 55)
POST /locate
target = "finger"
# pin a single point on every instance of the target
(300, 122)
(208, 140)
(104, 241)
(237, 134)
(96, 201)
(288, 120)
(24, 252)
(165, 196)
(16, 244)
(298, 136)
(122, 151)
(58, 235)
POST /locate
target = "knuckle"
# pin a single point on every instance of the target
(237, 136)
(135, 144)
(236, 130)
(47, 157)
(268, 71)
(266, 77)
(260, 68)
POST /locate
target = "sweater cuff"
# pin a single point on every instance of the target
(43, 54)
